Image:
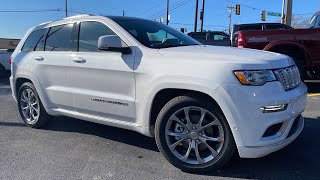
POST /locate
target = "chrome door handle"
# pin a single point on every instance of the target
(79, 60)
(39, 58)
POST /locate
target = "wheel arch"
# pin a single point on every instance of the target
(164, 95)
(22, 79)
(289, 44)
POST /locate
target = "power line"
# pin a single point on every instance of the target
(162, 12)
(244, 5)
(149, 9)
(30, 11)
(173, 7)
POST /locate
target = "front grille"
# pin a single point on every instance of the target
(289, 77)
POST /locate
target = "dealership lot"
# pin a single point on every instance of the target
(72, 149)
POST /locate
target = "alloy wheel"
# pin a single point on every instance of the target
(194, 135)
(30, 107)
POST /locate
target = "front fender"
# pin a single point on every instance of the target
(145, 100)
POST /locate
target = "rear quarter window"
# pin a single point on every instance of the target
(33, 40)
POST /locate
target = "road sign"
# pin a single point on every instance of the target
(274, 14)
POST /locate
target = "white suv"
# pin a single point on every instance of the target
(201, 103)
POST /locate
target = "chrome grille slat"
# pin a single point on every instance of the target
(289, 77)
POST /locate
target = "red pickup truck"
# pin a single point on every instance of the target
(303, 45)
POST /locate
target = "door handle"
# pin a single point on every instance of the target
(39, 58)
(79, 60)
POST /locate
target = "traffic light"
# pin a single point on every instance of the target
(263, 16)
(238, 9)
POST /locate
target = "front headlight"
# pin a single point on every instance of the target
(255, 78)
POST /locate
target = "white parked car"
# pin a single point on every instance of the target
(201, 103)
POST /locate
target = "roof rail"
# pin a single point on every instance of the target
(45, 23)
(77, 16)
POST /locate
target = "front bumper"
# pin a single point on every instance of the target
(260, 151)
(241, 106)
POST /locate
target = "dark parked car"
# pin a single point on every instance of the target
(215, 38)
(254, 27)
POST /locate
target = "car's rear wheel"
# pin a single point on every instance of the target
(194, 135)
(30, 106)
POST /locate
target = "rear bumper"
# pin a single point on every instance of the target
(260, 151)
(13, 89)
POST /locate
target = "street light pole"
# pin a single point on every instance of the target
(66, 8)
(167, 12)
(230, 9)
(289, 12)
(202, 16)
(283, 16)
(196, 17)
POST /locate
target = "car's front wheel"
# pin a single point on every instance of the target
(30, 106)
(193, 134)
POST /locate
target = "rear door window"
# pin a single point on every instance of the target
(59, 38)
(33, 40)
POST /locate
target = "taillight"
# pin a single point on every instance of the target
(11, 59)
(241, 40)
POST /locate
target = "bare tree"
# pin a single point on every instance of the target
(300, 22)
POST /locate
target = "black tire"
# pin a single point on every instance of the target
(43, 118)
(174, 105)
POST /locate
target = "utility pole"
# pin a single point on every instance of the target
(202, 16)
(167, 12)
(66, 8)
(289, 12)
(196, 16)
(230, 9)
(283, 16)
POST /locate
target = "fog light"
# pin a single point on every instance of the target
(275, 108)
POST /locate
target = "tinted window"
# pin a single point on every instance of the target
(155, 35)
(199, 37)
(318, 22)
(219, 37)
(89, 35)
(33, 39)
(250, 27)
(59, 38)
(276, 26)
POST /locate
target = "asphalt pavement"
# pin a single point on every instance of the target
(73, 149)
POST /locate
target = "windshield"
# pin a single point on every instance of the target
(155, 35)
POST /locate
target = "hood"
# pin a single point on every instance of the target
(248, 59)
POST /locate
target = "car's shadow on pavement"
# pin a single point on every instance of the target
(66, 124)
(300, 160)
